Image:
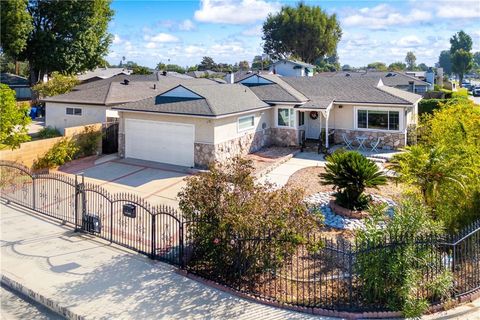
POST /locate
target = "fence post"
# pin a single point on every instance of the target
(76, 203)
(111, 221)
(154, 238)
(181, 251)
(350, 282)
(34, 205)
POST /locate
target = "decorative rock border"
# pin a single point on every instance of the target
(320, 203)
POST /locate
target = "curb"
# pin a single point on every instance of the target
(38, 297)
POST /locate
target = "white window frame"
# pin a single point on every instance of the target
(248, 128)
(73, 111)
(300, 116)
(291, 118)
(401, 118)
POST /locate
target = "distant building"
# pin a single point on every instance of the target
(20, 84)
(292, 68)
(102, 73)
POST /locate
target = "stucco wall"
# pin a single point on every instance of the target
(227, 128)
(56, 115)
(204, 128)
(287, 70)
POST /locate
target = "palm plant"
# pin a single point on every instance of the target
(350, 173)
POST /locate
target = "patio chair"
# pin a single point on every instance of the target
(374, 145)
(348, 143)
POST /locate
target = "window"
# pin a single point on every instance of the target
(378, 119)
(301, 118)
(246, 123)
(286, 118)
(74, 111)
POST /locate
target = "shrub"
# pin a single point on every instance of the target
(241, 228)
(61, 152)
(393, 261)
(460, 93)
(58, 84)
(13, 119)
(350, 173)
(87, 141)
(48, 132)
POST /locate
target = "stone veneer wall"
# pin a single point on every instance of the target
(388, 140)
(284, 137)
(121, 144)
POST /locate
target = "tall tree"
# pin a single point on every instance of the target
(445, 61)
(304, 32)
(13, 119)
(207, 63)
(462, 58)
(476, 60)
(410, 60)
(244, 65)
(67, 36)
(422, 66)
(397, 66)
(15, 26)
(378, 66)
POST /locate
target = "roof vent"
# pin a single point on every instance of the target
(347, 75)
(126, 82)
(154, 86)
(164, 73)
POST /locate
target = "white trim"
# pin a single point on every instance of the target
(401, 120)
(192, 115)
(292, 111)
(375, 105)
(248, 128)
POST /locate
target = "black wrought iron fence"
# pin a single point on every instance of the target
(124, 219)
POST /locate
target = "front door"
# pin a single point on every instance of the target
(313, 125)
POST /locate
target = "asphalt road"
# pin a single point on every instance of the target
(16, 307)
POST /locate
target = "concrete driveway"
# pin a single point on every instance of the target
(156, 183)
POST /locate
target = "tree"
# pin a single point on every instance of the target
(174, 68)
(136, 69)
(13, 119)
(445, 62)
(304, 32)
(58, 84)
(476, 60)
(207, 63)
(261, 63)
(16, 25)
(397, 66)
(67, 36)
(346, 67)
(350, 173)
(423, 67)
(378, 66)
(462, 58)
(410, 60)
(160, 66)
(244, 65)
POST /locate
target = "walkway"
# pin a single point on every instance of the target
(91, 278)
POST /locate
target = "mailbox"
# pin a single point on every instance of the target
(129, 210)
(92, 223)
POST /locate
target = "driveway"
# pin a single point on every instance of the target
(156, 183)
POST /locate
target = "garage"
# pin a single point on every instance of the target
(165, 142)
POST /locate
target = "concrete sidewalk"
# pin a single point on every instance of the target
(91, 278)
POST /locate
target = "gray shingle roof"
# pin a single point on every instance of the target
(272, 93)
(13, 80)
(212, 103)
(344, 89)
(389, 78)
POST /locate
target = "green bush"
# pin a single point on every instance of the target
(61, 152)
(232, 212)
(48, 132)
(87, 142)
(460, 93)
(395, 275)
(350, 173)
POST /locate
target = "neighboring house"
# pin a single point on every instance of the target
(91, 102)
(20, 84)
(102, 73)
(292, 68)
(393, 79)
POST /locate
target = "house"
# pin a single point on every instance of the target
(193, 123)
(102, 73)
(92, 102)
(393, 79)
(20, 84)
(292, 68)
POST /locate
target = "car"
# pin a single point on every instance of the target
(476, 91)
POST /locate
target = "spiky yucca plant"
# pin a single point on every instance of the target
(350, 173)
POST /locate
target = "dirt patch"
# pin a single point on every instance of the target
(309, 180)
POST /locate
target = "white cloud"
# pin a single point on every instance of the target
(253, 31)
(116, 39)
(194, 50)
(186, 25)
(235, 12)
(408, 41)
(151, 45)
(162, 38)
(459, 10)
(383, 15)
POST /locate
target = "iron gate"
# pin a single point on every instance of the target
(110, 137)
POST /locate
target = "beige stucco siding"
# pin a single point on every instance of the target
(57, 117)
(203, 127)
(227, 128)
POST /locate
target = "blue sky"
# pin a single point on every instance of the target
(182, 32)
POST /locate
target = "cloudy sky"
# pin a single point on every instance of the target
(182, 32)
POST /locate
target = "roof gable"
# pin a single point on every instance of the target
(181, 92)
(255, 79)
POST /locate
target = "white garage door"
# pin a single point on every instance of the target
(160, 141)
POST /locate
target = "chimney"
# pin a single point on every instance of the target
(230, 77)
(411, 86)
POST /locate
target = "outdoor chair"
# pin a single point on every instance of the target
(348, 143)
(374, 145)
